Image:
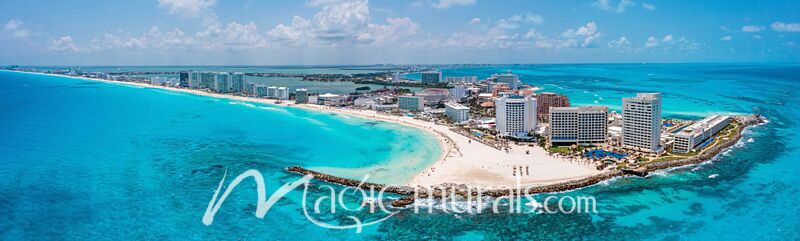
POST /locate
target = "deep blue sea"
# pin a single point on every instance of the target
(83, 160)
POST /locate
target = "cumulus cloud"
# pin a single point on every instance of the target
(648, 6)
(619, 43)
(445, 4)
(63, 44)
(752, 28)
(231, 36)
(341, 23)
(16, 28)
(651, 42)
(669, 42)
(785, 27)
(726, 38)
(518, 20)
(474, 21)
(583, 37)
(608, 5)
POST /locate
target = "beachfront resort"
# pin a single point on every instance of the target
(495, 131)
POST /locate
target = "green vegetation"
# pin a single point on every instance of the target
(668, 158)
(560, 149)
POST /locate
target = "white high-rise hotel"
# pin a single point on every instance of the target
(516, 115)
(641, 122)
(585, 125)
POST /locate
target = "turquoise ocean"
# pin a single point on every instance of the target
(85, 160)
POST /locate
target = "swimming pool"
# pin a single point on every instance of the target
(600, 154)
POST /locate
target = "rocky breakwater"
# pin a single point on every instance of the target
(446, 190)
(401, 190)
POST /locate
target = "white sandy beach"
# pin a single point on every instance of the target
(462, 161)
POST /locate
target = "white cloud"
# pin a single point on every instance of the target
(63, 44)
(232, 36)
(757, 37)
(189, 8)
(474, 21)
(786, 27)
(648, 6)
(752, 28)
(534, 18)
(445, 4)
(583, 37)
(619, 43)
(651, 42)
(669, 42)
(608, 5)
(517, 20)
(341, 23)
(726, 38)
(291, 33)
(16, 28)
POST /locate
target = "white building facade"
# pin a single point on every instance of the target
(461, 79)
(459, 92)
(515, 115)
(456, 112)
(585, 125)
(282, 93)
(692, 136)
(641, 122)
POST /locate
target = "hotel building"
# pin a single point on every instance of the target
(585, 125)
(461, 79)
(516, 115)
(194, 80)
(260, 90)
(207, 80)
(238, 83)
(431, 77)
(222, 83)
(272, 92)
(459, 92)
(282, 93)
(545, 100)
(456, 112)
(641, 122)
(184, 78)
(301, 96)
(410, 103)
(511, 79)
(696, 134)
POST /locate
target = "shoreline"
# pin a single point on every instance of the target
(461, 160)
(443, 191)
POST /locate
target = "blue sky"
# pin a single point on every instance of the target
(286, 32)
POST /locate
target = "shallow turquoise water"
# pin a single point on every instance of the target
(85, 160)
(82, 158)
